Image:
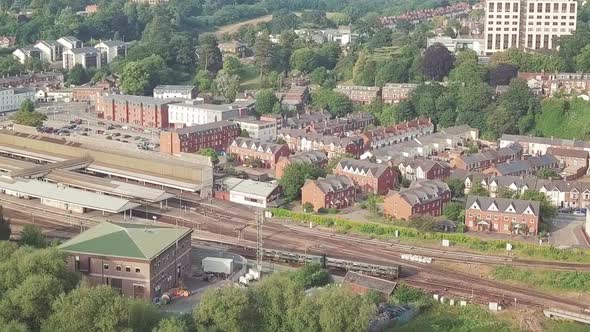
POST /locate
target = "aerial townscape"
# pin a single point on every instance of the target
(294, 165)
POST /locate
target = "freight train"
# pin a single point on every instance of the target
(388, 272)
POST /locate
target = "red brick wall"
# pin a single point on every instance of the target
(498, 222)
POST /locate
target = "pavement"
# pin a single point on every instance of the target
(566, 231)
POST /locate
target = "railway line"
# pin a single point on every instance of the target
(279, 236)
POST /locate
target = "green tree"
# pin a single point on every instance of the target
(478, 190)
(227, 85)
(508, 193)
(244, 133)
(454, 211)
(209, 152)
(27, 116)
(171, 324)
(438, 62)
(547, 173)
(28, 302)
(135, 79)
(209, 53)
(294, 178)
(469, 73)
(465, 56)
(319, 75)
(232, 65)
(267, 102)
(227, 309)
(548, 211)
(32, 236)
(308, 207)
(334, 102)
(264, 54)
(203, 80)
(304, 60)
(311, 275)
(78, 75)
(457, 187)
(342, 311)
(100, 307)
(10, 66)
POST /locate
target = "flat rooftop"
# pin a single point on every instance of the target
(123, 189)
(54, 192)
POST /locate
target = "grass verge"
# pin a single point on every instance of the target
(405, 233)
(552, 280)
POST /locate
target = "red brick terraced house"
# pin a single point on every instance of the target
(244, 149)
(368, 177)
(424, 169)
(334, 191)
(483, 160)
(216, 135)
(422, 198)
(500, 215)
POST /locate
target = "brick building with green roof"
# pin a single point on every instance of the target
(141, 261)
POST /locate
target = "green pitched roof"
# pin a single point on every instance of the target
(125, 240)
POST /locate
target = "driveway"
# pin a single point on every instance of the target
(566, 231)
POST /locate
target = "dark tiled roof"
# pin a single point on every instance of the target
(424, 191)
(354, 165)
(567, 153)
(380, 285)
(502, 204)
(332, 183)
(310, 157)
(219, 125)
(258, 143)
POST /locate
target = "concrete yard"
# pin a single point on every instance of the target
(566, 231)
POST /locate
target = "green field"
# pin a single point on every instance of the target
(563, 118)
(550, 280)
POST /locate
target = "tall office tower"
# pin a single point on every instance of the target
(528, 24)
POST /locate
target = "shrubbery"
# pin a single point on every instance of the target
(388, 231)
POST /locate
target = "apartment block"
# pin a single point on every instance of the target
(539, 145)
(247, 149)
(192, 112)
(501, 215)
(424, 169)
(136, 110)
(362, 95)
(422, 198)
(216, 135)
(262, 130)
(393, 93)
(368, 177)
(332, 192)
(528, 24)
(175, 91)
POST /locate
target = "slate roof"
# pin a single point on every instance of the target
(424, 191)
(263, 189)
(113, 43)
(206, 128)
(84, 50)
(518, 166)
(310, 157)
(362, 166)
(546, 141)
(332, 183)
(560, 152)
(137, 241)
(137, 99)
(503, 204)
(257, 143)
(174, 88)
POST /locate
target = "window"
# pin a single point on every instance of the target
(105, 266)
(137, 270)
(127, 269)
(118, 268)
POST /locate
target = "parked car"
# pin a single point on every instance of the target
(565, 210)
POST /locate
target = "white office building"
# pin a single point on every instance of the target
(69, 42)
(192, 112)
(88, 57)
(175, 91)
(12, 98)
(528, 24)
(111, 49)
(262, 130)
(455, 45)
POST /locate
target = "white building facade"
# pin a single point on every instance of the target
(175, 91)
(528, 24)
(11, 99)
(192, 113)
(262, 130)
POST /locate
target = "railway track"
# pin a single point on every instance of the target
(298, 239)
